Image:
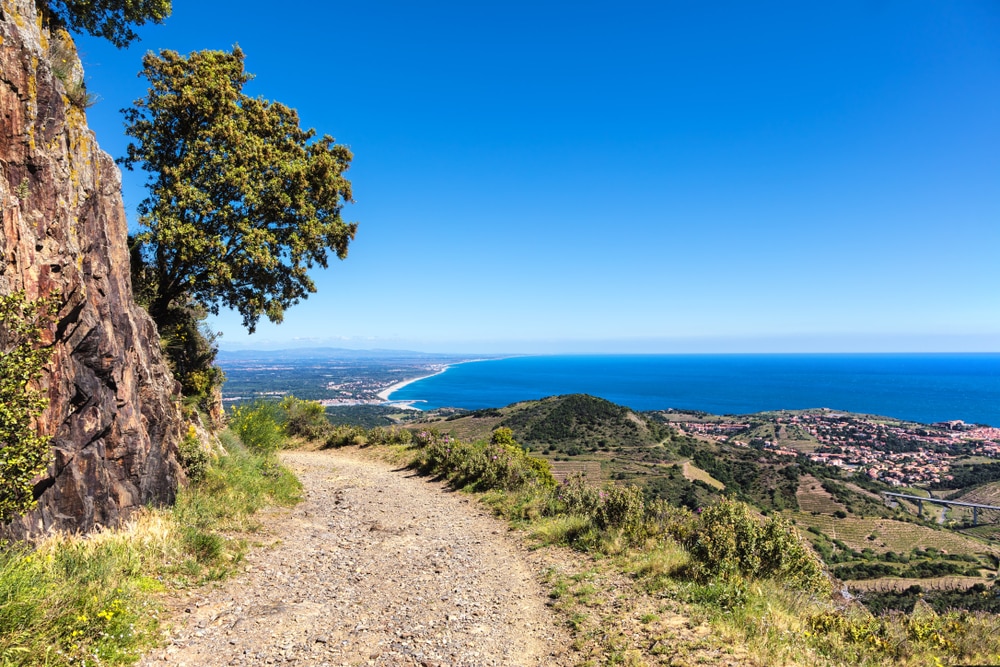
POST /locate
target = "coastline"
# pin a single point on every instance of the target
(924, 388)
(391, 389)
(388, 391)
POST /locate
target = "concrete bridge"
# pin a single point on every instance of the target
(920, 500)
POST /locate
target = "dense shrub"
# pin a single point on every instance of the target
(306, 419)
(193, 457)
(389, 436)
(499, 464)
(258, 426)
(346, 436)
(731, 543)
(611, 507)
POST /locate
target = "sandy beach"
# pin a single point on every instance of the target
(385, 393)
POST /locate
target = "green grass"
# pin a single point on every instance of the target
(74, 600)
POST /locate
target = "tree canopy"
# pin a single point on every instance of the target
(242, 201)
(110, 19)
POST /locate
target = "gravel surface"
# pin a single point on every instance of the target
(375, 567)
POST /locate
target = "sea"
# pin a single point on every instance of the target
(923, 388)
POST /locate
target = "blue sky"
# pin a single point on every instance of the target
(631, 177)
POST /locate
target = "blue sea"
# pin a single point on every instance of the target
(918, 387)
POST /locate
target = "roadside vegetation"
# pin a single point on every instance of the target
(753, 580)
(96, 599)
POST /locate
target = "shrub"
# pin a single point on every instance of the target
(575, 496)
(612, 507)
(344, 436)
(389, 436)
(24, 453)
(730, 543)
(193, 457)
(258, 426)
(305, 418)
(500, 464)
(622, 508)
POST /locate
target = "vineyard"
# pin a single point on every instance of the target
(883, 535)
(813, 498)
(898, 584)
(591, 470)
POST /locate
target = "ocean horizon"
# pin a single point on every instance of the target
(924, 388)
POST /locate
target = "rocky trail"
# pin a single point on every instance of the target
(376, 566)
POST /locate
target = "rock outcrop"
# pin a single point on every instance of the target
(113, 415)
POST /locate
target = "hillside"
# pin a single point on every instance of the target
(572, 424)
(770, 460)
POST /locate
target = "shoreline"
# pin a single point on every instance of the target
(388, 391)
(391, 389)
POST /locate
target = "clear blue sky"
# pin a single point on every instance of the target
(632, 176)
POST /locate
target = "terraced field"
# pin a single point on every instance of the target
(898, 584)
(882, 535)
(987, 494)
(589, 469)
(812, 497)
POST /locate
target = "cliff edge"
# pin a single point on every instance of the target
(113, 413)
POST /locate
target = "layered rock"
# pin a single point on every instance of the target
(113, 415)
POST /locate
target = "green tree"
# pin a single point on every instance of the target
(23, 452)
(242, 201)
(110, 19)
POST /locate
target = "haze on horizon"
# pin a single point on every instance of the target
(647, 177)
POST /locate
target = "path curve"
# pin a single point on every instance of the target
(376, 566)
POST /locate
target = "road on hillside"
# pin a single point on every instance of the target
(376, 566)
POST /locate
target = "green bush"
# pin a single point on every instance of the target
(389, 436)
(621, 508)
(730, 543)
(611, 507)
(499, 464)
(258, 426)
(193, 457)
(346, 436)
(306, 419)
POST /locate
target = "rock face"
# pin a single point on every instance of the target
(112, 414)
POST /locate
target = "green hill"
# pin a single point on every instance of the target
(573, 424)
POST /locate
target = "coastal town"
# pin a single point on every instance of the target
(334, 380)
(894, 452)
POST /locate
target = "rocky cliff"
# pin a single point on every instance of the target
(112, 414)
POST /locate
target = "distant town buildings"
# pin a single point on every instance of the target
(895, 453)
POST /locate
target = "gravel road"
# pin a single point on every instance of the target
(375, 567)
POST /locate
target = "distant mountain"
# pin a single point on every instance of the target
(324, 353)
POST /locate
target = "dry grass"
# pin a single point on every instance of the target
(692, 472)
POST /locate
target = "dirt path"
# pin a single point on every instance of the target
(374, 567)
